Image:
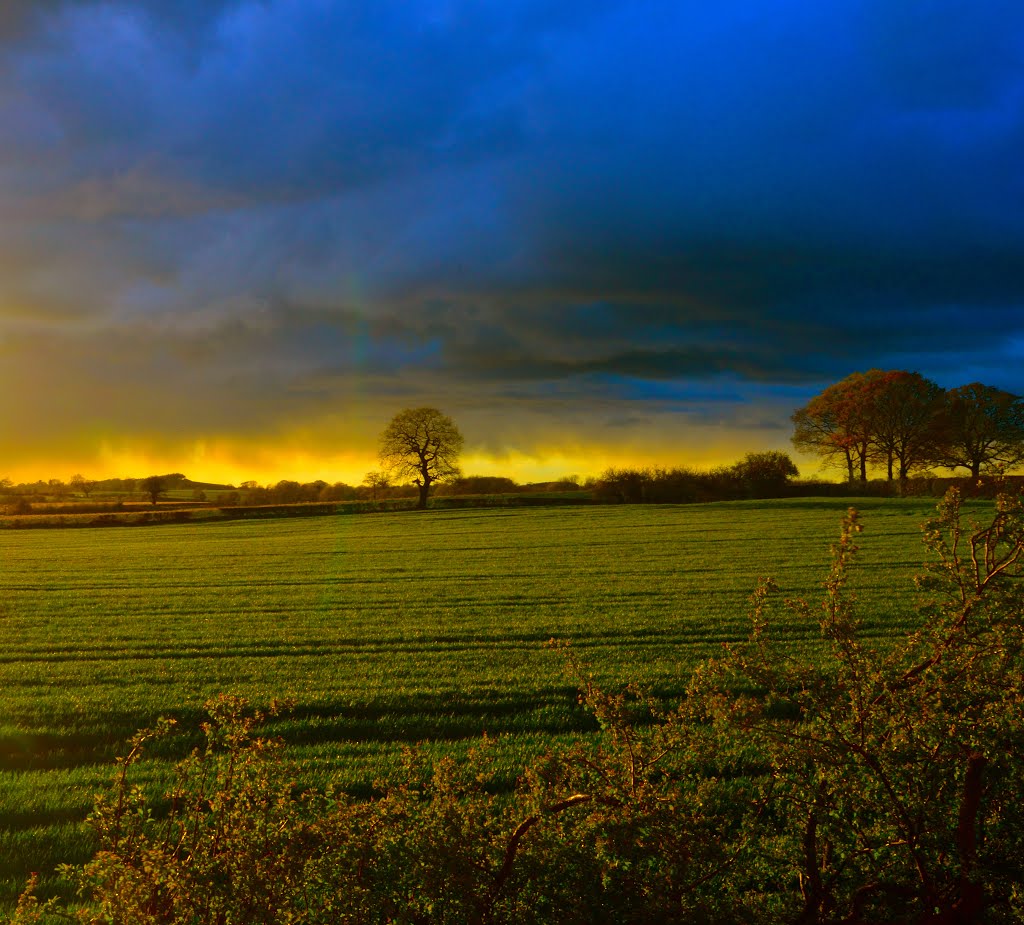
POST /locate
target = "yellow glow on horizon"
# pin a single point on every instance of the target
(232, 462)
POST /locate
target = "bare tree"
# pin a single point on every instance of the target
(422, 444)
(81, 484)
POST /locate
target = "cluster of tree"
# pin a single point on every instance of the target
(757, 475)
(376, 486)
(288, 491)
(57, 489)
(907, 423)
(846, 784)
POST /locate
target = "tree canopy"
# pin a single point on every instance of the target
(836, 424)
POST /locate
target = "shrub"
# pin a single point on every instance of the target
(892, 772)
(764, 475)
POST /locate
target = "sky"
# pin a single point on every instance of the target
(237, 236)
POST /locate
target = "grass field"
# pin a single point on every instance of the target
(386, 629)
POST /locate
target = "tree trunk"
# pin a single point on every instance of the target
(424, 487)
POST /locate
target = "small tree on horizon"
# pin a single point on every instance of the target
(154, 486)
(376, 481)
(81, 484)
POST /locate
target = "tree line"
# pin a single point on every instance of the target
(43, 496)
(906, 423)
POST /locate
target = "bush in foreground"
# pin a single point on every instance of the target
(869, 785)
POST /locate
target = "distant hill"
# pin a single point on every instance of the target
(215, 486)
(176, 481)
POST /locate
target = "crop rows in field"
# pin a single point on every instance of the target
(384, 630)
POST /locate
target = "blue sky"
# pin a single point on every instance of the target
(236, 237)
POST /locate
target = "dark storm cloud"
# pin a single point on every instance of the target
(284, 99)
(581, 200)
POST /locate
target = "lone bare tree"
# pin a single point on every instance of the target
(422, 444)
(81, 484)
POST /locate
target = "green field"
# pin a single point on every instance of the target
(386, 629)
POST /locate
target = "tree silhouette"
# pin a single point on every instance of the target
(80, 483)
(421, 444)
(983, 428)
(906, 420)
(155, 486)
